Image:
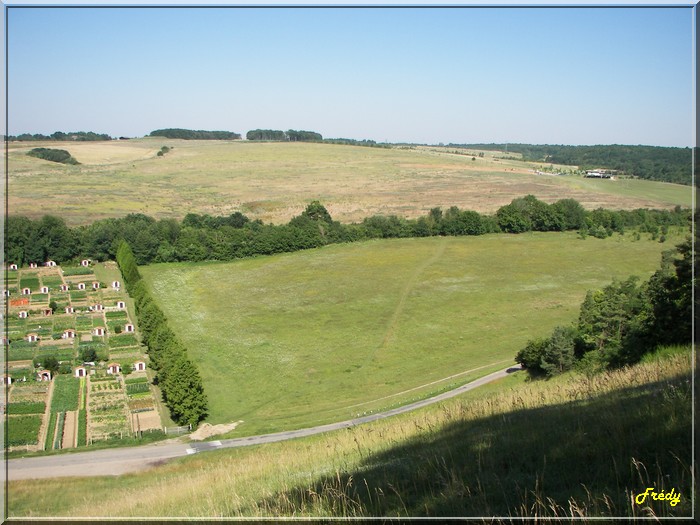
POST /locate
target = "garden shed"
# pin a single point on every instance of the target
(44, 375)
(139, 366)
(26, 291)
(81, 286)
(80, 371)
(13, 267)
(23, 314)
(116, 285)
(129, 328)
(65, 287)
(69, 310)
(68, 334)
(114, 368)
(32, 338)
(50, 264)
(98, 330)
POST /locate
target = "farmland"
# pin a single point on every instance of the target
(81, 312)
(322, 335)
(274, 181)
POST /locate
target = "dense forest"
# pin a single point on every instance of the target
(73, 136)
(189, 134)
(646, 162)
(204, 237)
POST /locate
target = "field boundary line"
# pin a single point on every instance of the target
(431, 383)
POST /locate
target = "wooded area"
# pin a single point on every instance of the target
(646, 162)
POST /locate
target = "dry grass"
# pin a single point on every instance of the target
(497, 451)
(274, 182)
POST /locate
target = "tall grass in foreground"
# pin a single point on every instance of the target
(569, 447)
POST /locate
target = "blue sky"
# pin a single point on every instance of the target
(534, 75)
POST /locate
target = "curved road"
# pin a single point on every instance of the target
(115, 461)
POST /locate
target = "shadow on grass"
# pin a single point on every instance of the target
(585, 457)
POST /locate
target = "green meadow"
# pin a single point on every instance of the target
(275, 181)
(300, 339)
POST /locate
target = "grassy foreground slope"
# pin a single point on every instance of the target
(572, 446)
(301, 339)
(275, 181)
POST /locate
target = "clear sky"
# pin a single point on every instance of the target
(534, 75)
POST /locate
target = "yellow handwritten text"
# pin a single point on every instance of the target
(672, 497)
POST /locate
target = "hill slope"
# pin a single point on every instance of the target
(573, 446)
(275, 181)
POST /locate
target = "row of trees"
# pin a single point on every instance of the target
(204, 237)
(189, 134)
(177, 376)
(279, 135)
(646, 162)
(617, 325)
(77, 136)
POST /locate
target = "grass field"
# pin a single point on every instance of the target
(570, 447)
(323, 335)
(275, 181)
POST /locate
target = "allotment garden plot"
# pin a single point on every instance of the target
(76, 372)
(296, 340)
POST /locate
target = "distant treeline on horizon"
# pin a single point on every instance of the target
(659, 163)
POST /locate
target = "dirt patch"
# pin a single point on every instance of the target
(207, 430)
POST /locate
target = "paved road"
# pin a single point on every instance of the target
(115, 461)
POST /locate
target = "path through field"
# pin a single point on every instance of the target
(69, 429)
(408, 287)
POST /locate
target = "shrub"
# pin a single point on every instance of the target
(53, 155)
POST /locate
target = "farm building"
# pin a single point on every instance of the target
(116, 285)
(44, 375)
(80, 371)
(129, 328)
(98, 330)
(68, 334)
(114, 368)
(50, 264)
(13, 267)
(26, 291)
(139, 366)
(23, 314)
(69, 310)
(32, 338)
(81, 286)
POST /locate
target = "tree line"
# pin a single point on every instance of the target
(620, 323)
(177, 376)
(279, 135)
(189, 134)
(199, 237)
(646, 162)
(76, 136)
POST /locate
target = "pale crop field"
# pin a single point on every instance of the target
(323, 335)
(275, 181)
